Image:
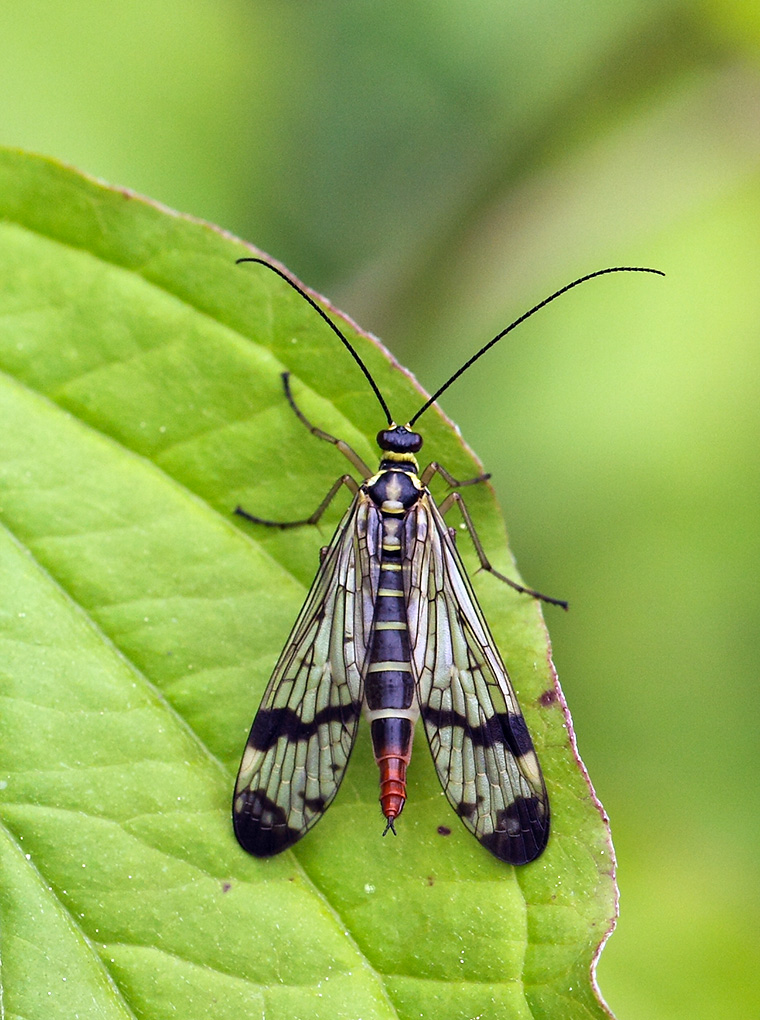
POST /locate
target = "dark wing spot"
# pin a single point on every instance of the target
(485, 736)
(261, 826)
(271, 724)
(522, 831)
(515, 733)
(315, 804)
(466, 809)
(500, 728)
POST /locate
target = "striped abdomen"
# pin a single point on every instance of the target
(391, 703)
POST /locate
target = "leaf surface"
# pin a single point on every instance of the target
(140, 402)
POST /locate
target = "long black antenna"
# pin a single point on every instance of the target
(346, 343)
(527, 315)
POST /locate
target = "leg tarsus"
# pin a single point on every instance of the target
(562, 603)
(485, 564)
(346, 480)
(344, 448)
(434, 468)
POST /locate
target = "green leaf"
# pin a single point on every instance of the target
(140, 402)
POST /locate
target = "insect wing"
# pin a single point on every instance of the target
(306, 725)
(480, 743)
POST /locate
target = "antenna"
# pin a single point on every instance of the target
(344, 340)
(517, 322)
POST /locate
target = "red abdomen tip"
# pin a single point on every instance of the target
(392, 785)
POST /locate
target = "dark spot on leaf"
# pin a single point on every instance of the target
(444, 830)
(226, 886)
(548, 697)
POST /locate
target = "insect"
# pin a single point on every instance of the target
(392, 627)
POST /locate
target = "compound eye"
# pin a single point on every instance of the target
(384, 438)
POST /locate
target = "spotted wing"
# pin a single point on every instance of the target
(305, 727)
(480, 743)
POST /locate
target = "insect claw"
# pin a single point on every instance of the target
(389, 825)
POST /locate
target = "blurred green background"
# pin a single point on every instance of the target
(435, 168)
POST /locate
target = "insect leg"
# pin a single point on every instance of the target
(435, 468)
(346, 480)
(344, 448)
(485, 564)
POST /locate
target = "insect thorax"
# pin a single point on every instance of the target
(396, 487)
